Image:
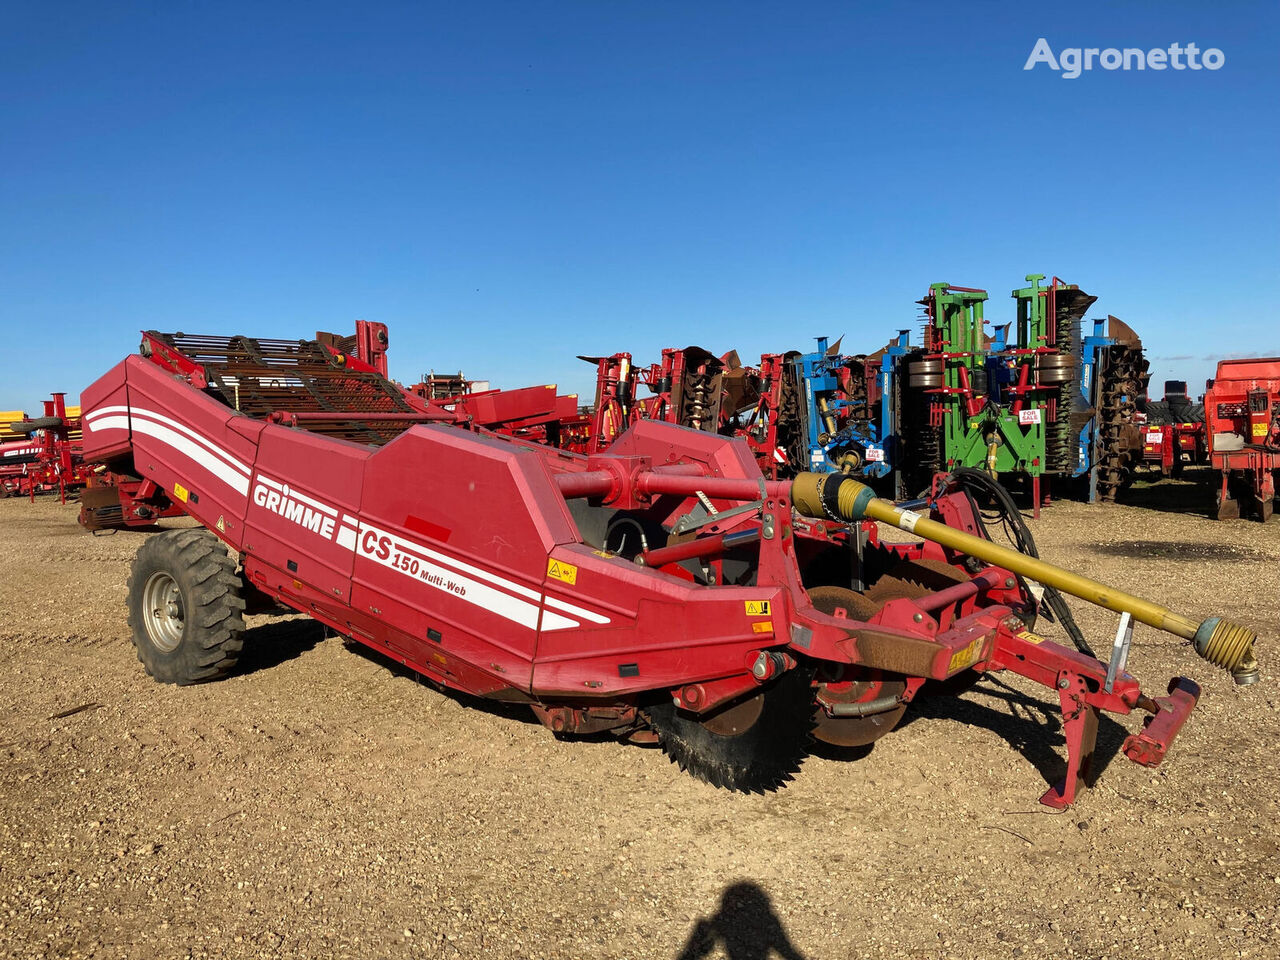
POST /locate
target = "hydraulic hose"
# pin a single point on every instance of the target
(1021, 536)
(847, 500)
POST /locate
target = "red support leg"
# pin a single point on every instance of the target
(1228, 506)
(1080, 726)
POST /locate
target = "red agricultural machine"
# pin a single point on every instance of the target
(539, 414)
(661, 590)
(316, 383)
(690, 387)
(1242, 410)
(1173, 431)
(42, 454)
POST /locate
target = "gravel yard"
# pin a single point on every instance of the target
(324, 803)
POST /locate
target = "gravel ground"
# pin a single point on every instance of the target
(322, 803)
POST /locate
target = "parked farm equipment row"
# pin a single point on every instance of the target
(1035, 399)
(689, 387)
(42, 454)
(658, 588)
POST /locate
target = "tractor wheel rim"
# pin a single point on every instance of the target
(163, 612)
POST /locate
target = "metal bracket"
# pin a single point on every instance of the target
(698, 517)
(1119, 650)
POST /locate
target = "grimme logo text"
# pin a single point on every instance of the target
(1073, 61)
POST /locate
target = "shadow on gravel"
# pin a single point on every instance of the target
(830, 751)
(272, 644)
(497, 708)
(1166, 550)
(1194, 493)
(1032, 727)
(745, 927)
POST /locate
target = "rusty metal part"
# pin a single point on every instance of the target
(736, 718)
(100, 508)
(583, 720)
(1122, 378)
(925, 373)
(752, 745)
(1056, 368)
(855, 711)
(1122, 333)
(260, 376)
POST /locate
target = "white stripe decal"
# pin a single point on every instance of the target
(404, 560)
(553, 621)
(289, 491)
(137, 412)
(579, 611)
(106, 423)
(427, 552)
(449, 578)
(236, 481)
(424, 556)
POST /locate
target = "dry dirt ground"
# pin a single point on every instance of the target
(322, 804)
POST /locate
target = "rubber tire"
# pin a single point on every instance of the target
(28, 427)
(213, 621)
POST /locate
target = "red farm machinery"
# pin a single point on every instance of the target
(690, 387)
(42, 454)
(318, 384)
(659, 589)
(1173, 431)
(1242, 413)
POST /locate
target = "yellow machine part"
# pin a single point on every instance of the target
(7, 417)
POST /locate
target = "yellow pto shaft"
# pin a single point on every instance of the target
(841, 498)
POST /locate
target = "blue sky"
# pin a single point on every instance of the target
(508, 185)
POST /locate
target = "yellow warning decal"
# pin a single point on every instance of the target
(1030, 637)
(1259, 429)
(757, 608)
(762, 626)
(559, 570)
(222, 524)
(966, 656)
(181, 492)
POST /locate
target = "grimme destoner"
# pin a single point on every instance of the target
(659, 590)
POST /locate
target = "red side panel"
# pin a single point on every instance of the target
(500, 406)
(635, 629)
(302, 507)
(181, 440)
(1249, 374)
(453, 546)
(111, 439)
